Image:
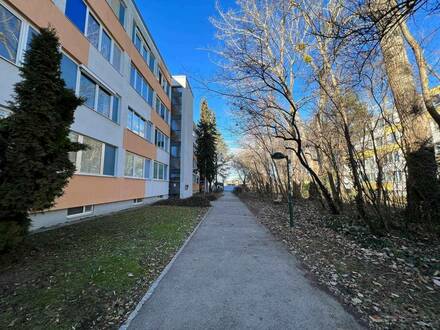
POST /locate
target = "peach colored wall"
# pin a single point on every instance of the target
(87, 189)
(134, 143)
(106, 15)
(195, 187)
(160, 123)
(44, 12)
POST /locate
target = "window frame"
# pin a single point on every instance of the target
(79, 155)
(133, 170)
(98, 86)
(25, 26)
(84, 212)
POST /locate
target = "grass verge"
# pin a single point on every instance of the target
(91, 274)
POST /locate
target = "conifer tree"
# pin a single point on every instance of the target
(206, 144)
(34, 140)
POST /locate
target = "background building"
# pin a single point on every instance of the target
(182, 140)
(110, 59)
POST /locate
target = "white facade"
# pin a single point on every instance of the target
(114, 87)
(183, 101)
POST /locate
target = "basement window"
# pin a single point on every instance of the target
(79, 210)
(138, 200)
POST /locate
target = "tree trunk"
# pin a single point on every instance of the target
(423, 193)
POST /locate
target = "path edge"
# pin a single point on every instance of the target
(155, 284)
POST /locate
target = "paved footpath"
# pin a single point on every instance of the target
(233, 274)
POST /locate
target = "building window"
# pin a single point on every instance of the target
(91, 157)
(30, 36)
(161, 140)
(76, 11)
(109, 160)
(117, 57)
(160, 171)
(121, 14)
(99, 158)
(162, 110)
(104, 99)
(93, 29)
(136, 123)
(79, 210)
(106, 45)
(152, 63)
(87, 90)
(10, 27)
(147, 168)
(69, 72)
(141, 86)
(149, 131)
(115, 108)
(136, 166)
(138, 201)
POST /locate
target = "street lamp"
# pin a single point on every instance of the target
(278, 156)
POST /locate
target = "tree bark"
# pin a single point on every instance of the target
(423, 193)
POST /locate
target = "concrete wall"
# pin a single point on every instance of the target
(59, 217)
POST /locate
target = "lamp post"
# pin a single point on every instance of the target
(278, 156)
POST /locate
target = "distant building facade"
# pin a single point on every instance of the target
(181, 161)
(111, 60)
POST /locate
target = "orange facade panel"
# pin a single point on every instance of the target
(135, 144)
(160, 123)
(87, 190)
(44, 13)
(106, 15)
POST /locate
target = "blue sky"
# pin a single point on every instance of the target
(181, 30)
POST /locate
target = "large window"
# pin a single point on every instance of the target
(162, 141)
(162, 110)
(139, 125)
(160, 171)
(136, 166)
(76, 11)
(138, 82)
(99, 99)
(143, 48)
(91, 158)
(98, 158)
(10, 27)
(69, 72)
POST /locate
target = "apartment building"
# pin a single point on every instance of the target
(110, 59)
(181, 161)
(387, 140)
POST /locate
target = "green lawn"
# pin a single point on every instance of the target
(91, 274)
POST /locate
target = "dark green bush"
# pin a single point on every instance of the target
(237, 190)
(11, 234)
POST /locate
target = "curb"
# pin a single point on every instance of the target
(155, 284)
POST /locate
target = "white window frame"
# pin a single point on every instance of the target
(22, 36)
(79, 155)
(84, 212)
(98, 84)
(132, 176)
